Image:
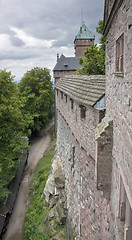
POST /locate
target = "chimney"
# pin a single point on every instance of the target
(57, 57)
(81, 29)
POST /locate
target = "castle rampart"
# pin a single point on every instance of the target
(77, 118)
(118, 32)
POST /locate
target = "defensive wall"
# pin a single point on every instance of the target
(79, 111)
(118, 32)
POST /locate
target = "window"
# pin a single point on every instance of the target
(61, 95)
(83, 112)
(73, 157)
(72, 103)
(66, 97)
(125, 211)
(120, 53)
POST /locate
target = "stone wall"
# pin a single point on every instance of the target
(80, 45)
(119, 106)
(59, 74)
(88, 209)
(83, 129)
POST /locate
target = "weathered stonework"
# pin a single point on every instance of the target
(59, 74)
(81, 45)
(119, 107)
(87, 207)
(96, 154)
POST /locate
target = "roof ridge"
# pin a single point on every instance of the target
(86, 90)
(84, 33)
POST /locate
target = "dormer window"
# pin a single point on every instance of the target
(120, 54)
(65, 65)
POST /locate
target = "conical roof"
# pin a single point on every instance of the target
(84, 33)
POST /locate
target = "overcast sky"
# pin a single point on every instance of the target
(32, 32)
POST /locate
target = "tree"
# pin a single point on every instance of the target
(101, 59)
(36, 94)
(11, 130)
(94, 61)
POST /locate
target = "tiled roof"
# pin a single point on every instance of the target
(84, 33)
(67, 64)
(84, 89)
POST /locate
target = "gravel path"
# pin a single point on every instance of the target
(36, 152)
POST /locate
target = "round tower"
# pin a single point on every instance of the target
(83, 39)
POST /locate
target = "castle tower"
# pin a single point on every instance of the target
(83, 39)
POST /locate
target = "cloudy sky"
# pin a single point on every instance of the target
(32, 32)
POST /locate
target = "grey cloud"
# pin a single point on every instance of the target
(17, 42)
(17, 56)
(47, 20)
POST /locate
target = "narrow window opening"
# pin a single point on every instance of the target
(66, 98)
(120, 54)
(122, 201)
(83, 112)
(72, 103)
(61, 95)
(73, 157)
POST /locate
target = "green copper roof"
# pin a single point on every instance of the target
(84, 33)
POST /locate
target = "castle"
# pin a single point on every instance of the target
(69, 65)
(94, 136)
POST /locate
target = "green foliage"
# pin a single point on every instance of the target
(11, 130)
(101, 60)
(36, 94)
(94, 61)
(90, 62)
(35, 213)
(38, 208)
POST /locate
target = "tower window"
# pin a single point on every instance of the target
(120, 53)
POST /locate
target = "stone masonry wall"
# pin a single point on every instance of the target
(87, 207)
(83, 129)
(59, 74)
(81, 45)
(119, 105)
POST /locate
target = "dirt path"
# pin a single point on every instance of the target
(36, 152)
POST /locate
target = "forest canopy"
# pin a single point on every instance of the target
(37, 96)
(11, 130)
(24, 107)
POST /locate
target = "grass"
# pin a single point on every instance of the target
(38, 208)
